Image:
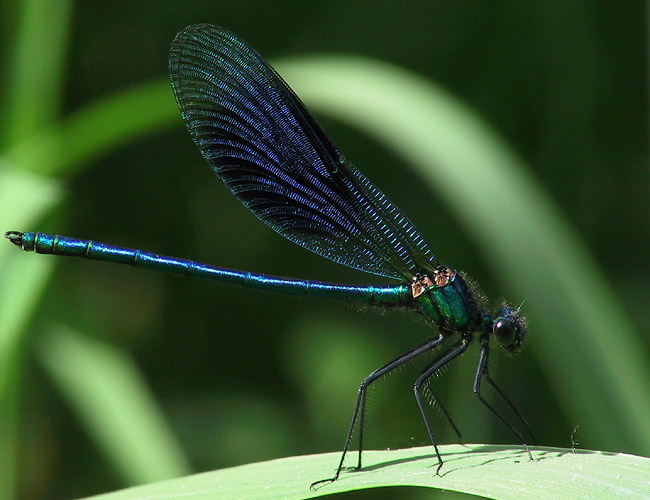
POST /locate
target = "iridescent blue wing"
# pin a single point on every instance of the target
(269, 151)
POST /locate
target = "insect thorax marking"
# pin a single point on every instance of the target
(441, 277)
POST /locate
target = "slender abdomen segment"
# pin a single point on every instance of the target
(379, 295)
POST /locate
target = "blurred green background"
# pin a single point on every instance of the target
(112, 376)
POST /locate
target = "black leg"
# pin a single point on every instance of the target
(437, 402)
(449, 356)
(482, 371)
(362, 418)
(521, 418)
(359, 407)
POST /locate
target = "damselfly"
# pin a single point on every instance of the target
(268, 149)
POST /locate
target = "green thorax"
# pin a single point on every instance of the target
(446, 300)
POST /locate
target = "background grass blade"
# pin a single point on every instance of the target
(33, 94)
(113, 402)
(24, 199)
(71, 143)
(31, 98)
(60, 148)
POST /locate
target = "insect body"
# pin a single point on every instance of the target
(267, 148)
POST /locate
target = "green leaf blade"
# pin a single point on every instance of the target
(499, 472)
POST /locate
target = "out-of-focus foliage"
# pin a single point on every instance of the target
(232, 376)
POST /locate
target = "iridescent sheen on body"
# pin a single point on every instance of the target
(268, 149)
(377, 295)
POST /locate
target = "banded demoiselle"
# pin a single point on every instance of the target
(268, 149)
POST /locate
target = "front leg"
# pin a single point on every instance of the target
(482, 371)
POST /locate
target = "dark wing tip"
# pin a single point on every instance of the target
(195, 28)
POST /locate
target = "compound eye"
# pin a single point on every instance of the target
(504, 331)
